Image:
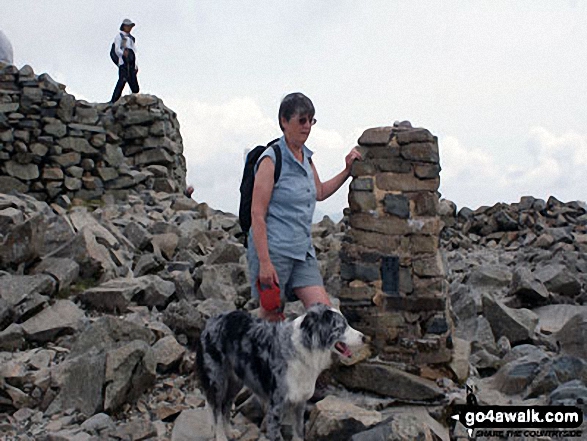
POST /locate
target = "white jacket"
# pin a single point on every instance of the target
(123, 41)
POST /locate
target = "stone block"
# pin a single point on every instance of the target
(153, 157)
(397, 205)
(424, 203)
(380, 154)
(423, 244)
(362, 202)
(376, 136)
(429, 266)
(414, 304)
(64, 317)
(421, 152)
(67, 159)
(414, 135)
(362, 184)
(79, 145)
(25, 172)
(357, 290)
(362, 168)
(405, 182)
(394, 165)
(427, 171)
(52, 174)
(367, 272)
(383, 224)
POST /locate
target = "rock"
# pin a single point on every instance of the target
(221, 280)
(192, 425)
(114, 295)
(551, 318)
(569, 394)
(12, 338)
(460, 359)
(167, 243)
(64, 270)
(75, 390)
(25, 172)
(334, 418)
(140, 429)
(184, 285)
(107, 333)
(89, 252)
(573, 336)
(185, 319)
(405, 425)
(98, 423)
(168, 353)
(26, 294)
(22, 243)
(488, 277)
(478, 332)
(529, 289)
(388, 381)
(117, 294)
(130, 370)
(155, 291)
(211, 307)
(518, 325)
(225, 252)
(557, 278)
(64, 317)
(137, 234)
(6, 313)
(514, 377)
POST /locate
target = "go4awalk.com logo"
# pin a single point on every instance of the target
(518, 421)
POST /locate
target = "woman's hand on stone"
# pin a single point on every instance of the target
(351, 157)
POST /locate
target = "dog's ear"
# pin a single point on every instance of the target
(321, 327)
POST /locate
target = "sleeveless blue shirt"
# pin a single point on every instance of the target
(291, 207)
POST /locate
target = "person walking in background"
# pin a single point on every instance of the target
(6, 53)
(125, 50)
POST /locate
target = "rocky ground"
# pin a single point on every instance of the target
(100, 304)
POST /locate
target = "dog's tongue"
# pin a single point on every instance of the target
(343, 349)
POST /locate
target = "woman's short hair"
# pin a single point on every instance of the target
(295, 104)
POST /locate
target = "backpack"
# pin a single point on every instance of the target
(113, 55)
(248, 182)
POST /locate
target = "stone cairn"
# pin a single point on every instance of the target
(57, 148)
(394, 282)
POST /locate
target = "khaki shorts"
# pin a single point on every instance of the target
(292, 273)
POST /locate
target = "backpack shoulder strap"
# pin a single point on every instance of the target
(277, 150)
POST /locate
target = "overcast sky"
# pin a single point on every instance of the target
(502, 83)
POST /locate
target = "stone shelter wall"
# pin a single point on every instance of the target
(57, 148)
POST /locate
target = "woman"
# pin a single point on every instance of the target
(281, 213)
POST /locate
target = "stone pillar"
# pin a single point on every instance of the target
(394, 285)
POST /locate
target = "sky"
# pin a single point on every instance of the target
(502, 83)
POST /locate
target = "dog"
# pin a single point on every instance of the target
(279, 362)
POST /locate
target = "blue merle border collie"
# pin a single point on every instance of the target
(279, 362)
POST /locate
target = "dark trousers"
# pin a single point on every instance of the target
(127, 73)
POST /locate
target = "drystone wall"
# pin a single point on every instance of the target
(394, 281)
(57, 148)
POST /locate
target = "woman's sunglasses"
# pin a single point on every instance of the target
(304, 119)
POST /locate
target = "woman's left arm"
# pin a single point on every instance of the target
(326, 189)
